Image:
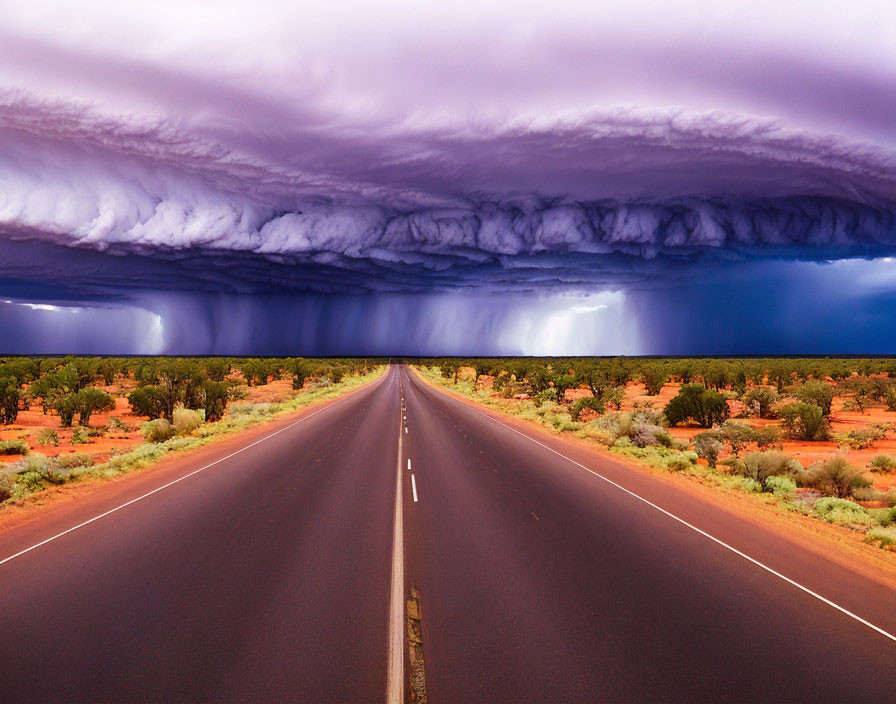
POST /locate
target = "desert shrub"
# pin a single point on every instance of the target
(10, 395)
(48, 437)
(804, 421)
(883, 464)
(882, 537)
(654, 377)
(737, 435)
(644, 434)
(148, 401)
(66, 407)
(14, 447)
(158, 430)
(750, 485)
(781, 486)
(546, 396)
(73, 460)
(843, 511)
(613, 397)
(185, 421)
(90, 400)
(766, 436)
(762, 398)
(680, 461)
(863, 438)
(708, 445)
(577, 406)
(834, 476)
(760, 466)
(118, 424)
(7, 482)
(884, 516)
(80, 436)
(29, 482)
(696, 403)
(815, 392)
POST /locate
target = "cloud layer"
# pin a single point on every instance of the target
(152, 152)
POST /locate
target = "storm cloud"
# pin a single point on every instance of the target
(303, 158)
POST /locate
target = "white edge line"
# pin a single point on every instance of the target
(395, 665)
(725, 545)
(172, 483)
(414, 487)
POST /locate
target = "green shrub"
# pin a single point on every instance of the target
(842, 511)
(804, 421)
(158, 430)
(884, 516)
(148, 401)
(185, 421)
(737, 435)
(761, 398)
(695, 402)
(781, 486)
(883, 537)
(14, 447)
(48, 437)
(80, 436)
(680, 461)
(760, 466)
(883, 464)
(862, 438)
(766, 436)
(708, 445)
(816, 393)
(580, 404)
(834, 476)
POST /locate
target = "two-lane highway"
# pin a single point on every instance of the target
(546, 574)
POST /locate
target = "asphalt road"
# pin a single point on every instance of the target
(543, 577)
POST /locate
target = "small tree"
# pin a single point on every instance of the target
(804, 421)
(761, 397)
(708, 445)
(66, 407)
(91, 399)
(10, 395)
(815, 392)
(737, 435)
(697, 403)
(148, 401)
(654, 377)
(216, 395)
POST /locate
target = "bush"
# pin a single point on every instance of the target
(680, 461)
(834, 476)
(863, 438)
(14, 447)
(695, 402)
(90, 400)
(185, 421)
(883, 464)
(842, 511)
(882, 537)
(158, 430)
(817, 393)
(708, 445)
(80, 436)
(761, 466)
(644, 434)
(766, 436)
(10, 395)
(781, 486)
(148, 401)
(762, 399)
(48, 437)
(737, 435)
(577, 406)
(804, 421)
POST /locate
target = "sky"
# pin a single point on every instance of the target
(461, 178)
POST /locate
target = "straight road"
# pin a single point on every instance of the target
(273, 576)
(264, 578)
(542, 582)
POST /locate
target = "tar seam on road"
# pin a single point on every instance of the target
(172, 483)
(395, 671)
(725, 545)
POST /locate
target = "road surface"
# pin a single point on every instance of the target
(546, 573)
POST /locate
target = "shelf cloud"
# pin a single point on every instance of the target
(402, 151)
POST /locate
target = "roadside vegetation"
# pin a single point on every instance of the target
(813, 436)
(64, 419)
